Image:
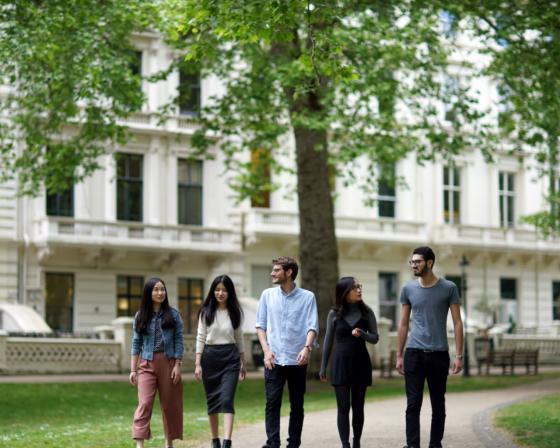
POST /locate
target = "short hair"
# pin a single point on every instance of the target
(426, 252)
(287, 263)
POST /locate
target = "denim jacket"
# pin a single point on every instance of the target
(143, 344)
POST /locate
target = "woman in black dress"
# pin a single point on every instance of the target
(351, 322)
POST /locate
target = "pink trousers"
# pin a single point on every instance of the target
(156, 376)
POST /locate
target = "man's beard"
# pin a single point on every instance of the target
(421, 273)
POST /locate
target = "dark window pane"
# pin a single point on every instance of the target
(189, 89)
(386, 209)
(190, 192)
(59, 301)
(556, 300)
(445, 175)
(501, 181)
(456, 206)
(510, 218)
(61, 204)
(129, 187)
(510, 182)
(388, 291)
(508, 288)
(456, 177)
(129, 294)
(191, 292)
(446, 207)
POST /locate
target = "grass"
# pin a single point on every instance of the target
(533, 423)
(83, 415)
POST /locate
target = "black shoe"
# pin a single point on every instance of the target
(355, 443)
(216, 443)
(226, 443)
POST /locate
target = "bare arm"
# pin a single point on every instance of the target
(402, 334)
(458, 330)
(269, 357)
(304, 354)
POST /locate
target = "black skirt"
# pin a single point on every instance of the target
(220, 374)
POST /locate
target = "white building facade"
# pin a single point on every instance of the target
(80, 258)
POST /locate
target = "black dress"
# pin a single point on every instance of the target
(351, 364)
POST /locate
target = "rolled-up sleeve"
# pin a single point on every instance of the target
(312, 316)
(262, 313)
(178, 337)
(136, 340)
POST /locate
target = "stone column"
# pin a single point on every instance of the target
(123, 335)
(3, 349)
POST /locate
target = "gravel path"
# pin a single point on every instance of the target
(468, 424)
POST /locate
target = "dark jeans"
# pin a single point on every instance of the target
(347, 396)
(420, 365)
(274, 383)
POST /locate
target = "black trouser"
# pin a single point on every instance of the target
(347, 396)
(274, 383)
(420, 365)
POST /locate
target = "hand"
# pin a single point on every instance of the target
(176, 373)
(303, 357)
(357, 332)
(242, 372)
(457, 366)
(133, 378)
(323, 378)
(198, 372)
(400, 365)
(269, 360)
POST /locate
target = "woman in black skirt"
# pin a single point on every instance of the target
(219, 354)
(351, 322)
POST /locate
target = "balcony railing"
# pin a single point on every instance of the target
(494, 237)
(154, 122)
(268, 222)
(108, 233)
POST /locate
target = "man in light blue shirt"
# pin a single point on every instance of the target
(287, 326)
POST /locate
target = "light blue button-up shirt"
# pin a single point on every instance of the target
(287, 318)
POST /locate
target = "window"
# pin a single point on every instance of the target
(457, 280)
(386, 196)
(388, 291)
(59, 301)
(189, 89)
(61, 203)
(189, 192)
(508, 296)
(451, 195)
(506, 182)
(451, 93)
(260, 171)
(191, 296)
(129, 294)
(260, 279)
(129, 187)
(556, 300)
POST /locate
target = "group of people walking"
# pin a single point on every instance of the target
(287, 327)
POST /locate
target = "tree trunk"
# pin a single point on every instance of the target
(317, 239)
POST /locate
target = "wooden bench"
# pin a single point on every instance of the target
(502, 358)
(527, 357)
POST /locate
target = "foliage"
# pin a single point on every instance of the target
(522, 38)
(68, 65)
(533, 424)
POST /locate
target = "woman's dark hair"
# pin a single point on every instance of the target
(147, 309)
(208, 308)
(343, 288)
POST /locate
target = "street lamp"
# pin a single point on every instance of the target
(463, 264)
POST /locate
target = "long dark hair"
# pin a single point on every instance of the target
(343, 288)
(208, 308)
(146, 308)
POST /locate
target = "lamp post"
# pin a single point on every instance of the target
(463, 264)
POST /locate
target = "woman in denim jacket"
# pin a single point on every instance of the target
(157, 353)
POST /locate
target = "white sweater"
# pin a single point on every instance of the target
(220, 332)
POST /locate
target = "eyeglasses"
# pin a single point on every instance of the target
(358, 286)
(415, 262)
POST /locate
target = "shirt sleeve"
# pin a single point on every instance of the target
(136, 339)
(238, 335)
(313, 317)
(454, 295)
(201, 335)
(328, 342)
(178, 336)
(371, 336)
(261, 312)
(404, 297)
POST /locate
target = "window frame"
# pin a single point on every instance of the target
(128, 296)
(183, 189)
(453, 214)
(123, 183)
(384, 199)
(506, 198)
(189, 324)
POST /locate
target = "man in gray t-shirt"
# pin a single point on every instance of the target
(428, 299)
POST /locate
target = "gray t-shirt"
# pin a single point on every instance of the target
(429, 313)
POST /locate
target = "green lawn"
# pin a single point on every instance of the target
(534, 424)
(99, 415)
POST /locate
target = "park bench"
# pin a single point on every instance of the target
(527, 357)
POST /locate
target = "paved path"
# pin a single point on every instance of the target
(468, 421)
